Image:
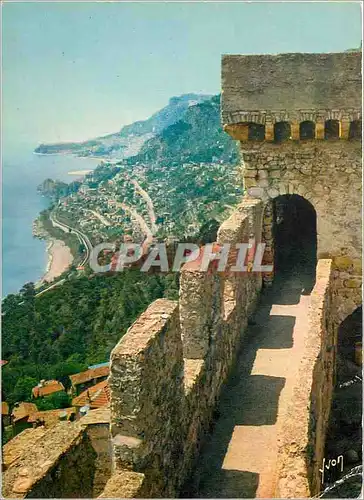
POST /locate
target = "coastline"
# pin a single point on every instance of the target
(60, 259)
(59, 254)
(23, 172)
(74, 155)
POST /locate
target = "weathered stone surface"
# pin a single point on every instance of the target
(58, 465)
(200, 306)
(125, 484)
(254, 85)
(147, 392)
(302, 442)
(17, 446)
(352, 283)
(97, 423)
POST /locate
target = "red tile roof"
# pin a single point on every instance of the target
(48, 387)
(4, 408)
(23, 410)
(95, 396)
(92, 373)
(51, 417)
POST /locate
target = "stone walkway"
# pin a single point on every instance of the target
(240, 457)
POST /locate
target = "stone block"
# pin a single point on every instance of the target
(263, 174)
(320, 130)
(353, 283)
(269, 132)
(125, 484)
(295, 131)
(250, 173)
(275, 174)
(282, 189)
(196, 316)
(343, 262)
(357, 266)
(249, 182)
(239, 132)
(146, 383)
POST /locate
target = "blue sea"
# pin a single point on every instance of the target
(24, 258)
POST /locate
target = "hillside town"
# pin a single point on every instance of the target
(110, 201)
(87, 390)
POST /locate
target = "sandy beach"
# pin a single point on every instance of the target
(59, 259)
(80, 172)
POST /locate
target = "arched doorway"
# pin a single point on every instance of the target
(295, 239)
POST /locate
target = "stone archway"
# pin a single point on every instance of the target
(290, 235)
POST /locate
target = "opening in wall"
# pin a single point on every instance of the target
(282, 131)
(355, 130)
(295, 240)
(332, 129)
(307, 130)
(256, 132)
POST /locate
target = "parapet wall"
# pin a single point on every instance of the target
(302, 442)
(291, 87)
(60, 464)
(168, 370)
(69, 460)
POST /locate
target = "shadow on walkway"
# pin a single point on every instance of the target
(248, 407)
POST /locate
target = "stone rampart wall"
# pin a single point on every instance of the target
(168, 370)
(60, 464)
(328, 175)
(302, 441)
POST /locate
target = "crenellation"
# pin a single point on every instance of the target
(146, 383)
(197, 317)
(168, 371)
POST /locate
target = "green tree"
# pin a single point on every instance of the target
(23, 390)
(54, 401)
(62, 370)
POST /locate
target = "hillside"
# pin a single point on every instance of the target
(48, 337)
(197, 137)
(187, 171)
(130, 138)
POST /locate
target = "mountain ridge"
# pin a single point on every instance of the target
(130, 138)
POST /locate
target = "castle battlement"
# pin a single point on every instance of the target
(168, 369)
(168, 372)
(296, 96)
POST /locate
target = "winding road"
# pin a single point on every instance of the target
(83, 239)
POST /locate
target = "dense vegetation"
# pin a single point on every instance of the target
(188, 168)
(55, 189)
(198, 137)
(71, 327)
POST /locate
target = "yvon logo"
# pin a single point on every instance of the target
(331, 463)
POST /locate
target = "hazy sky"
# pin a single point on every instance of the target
(72, 71)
